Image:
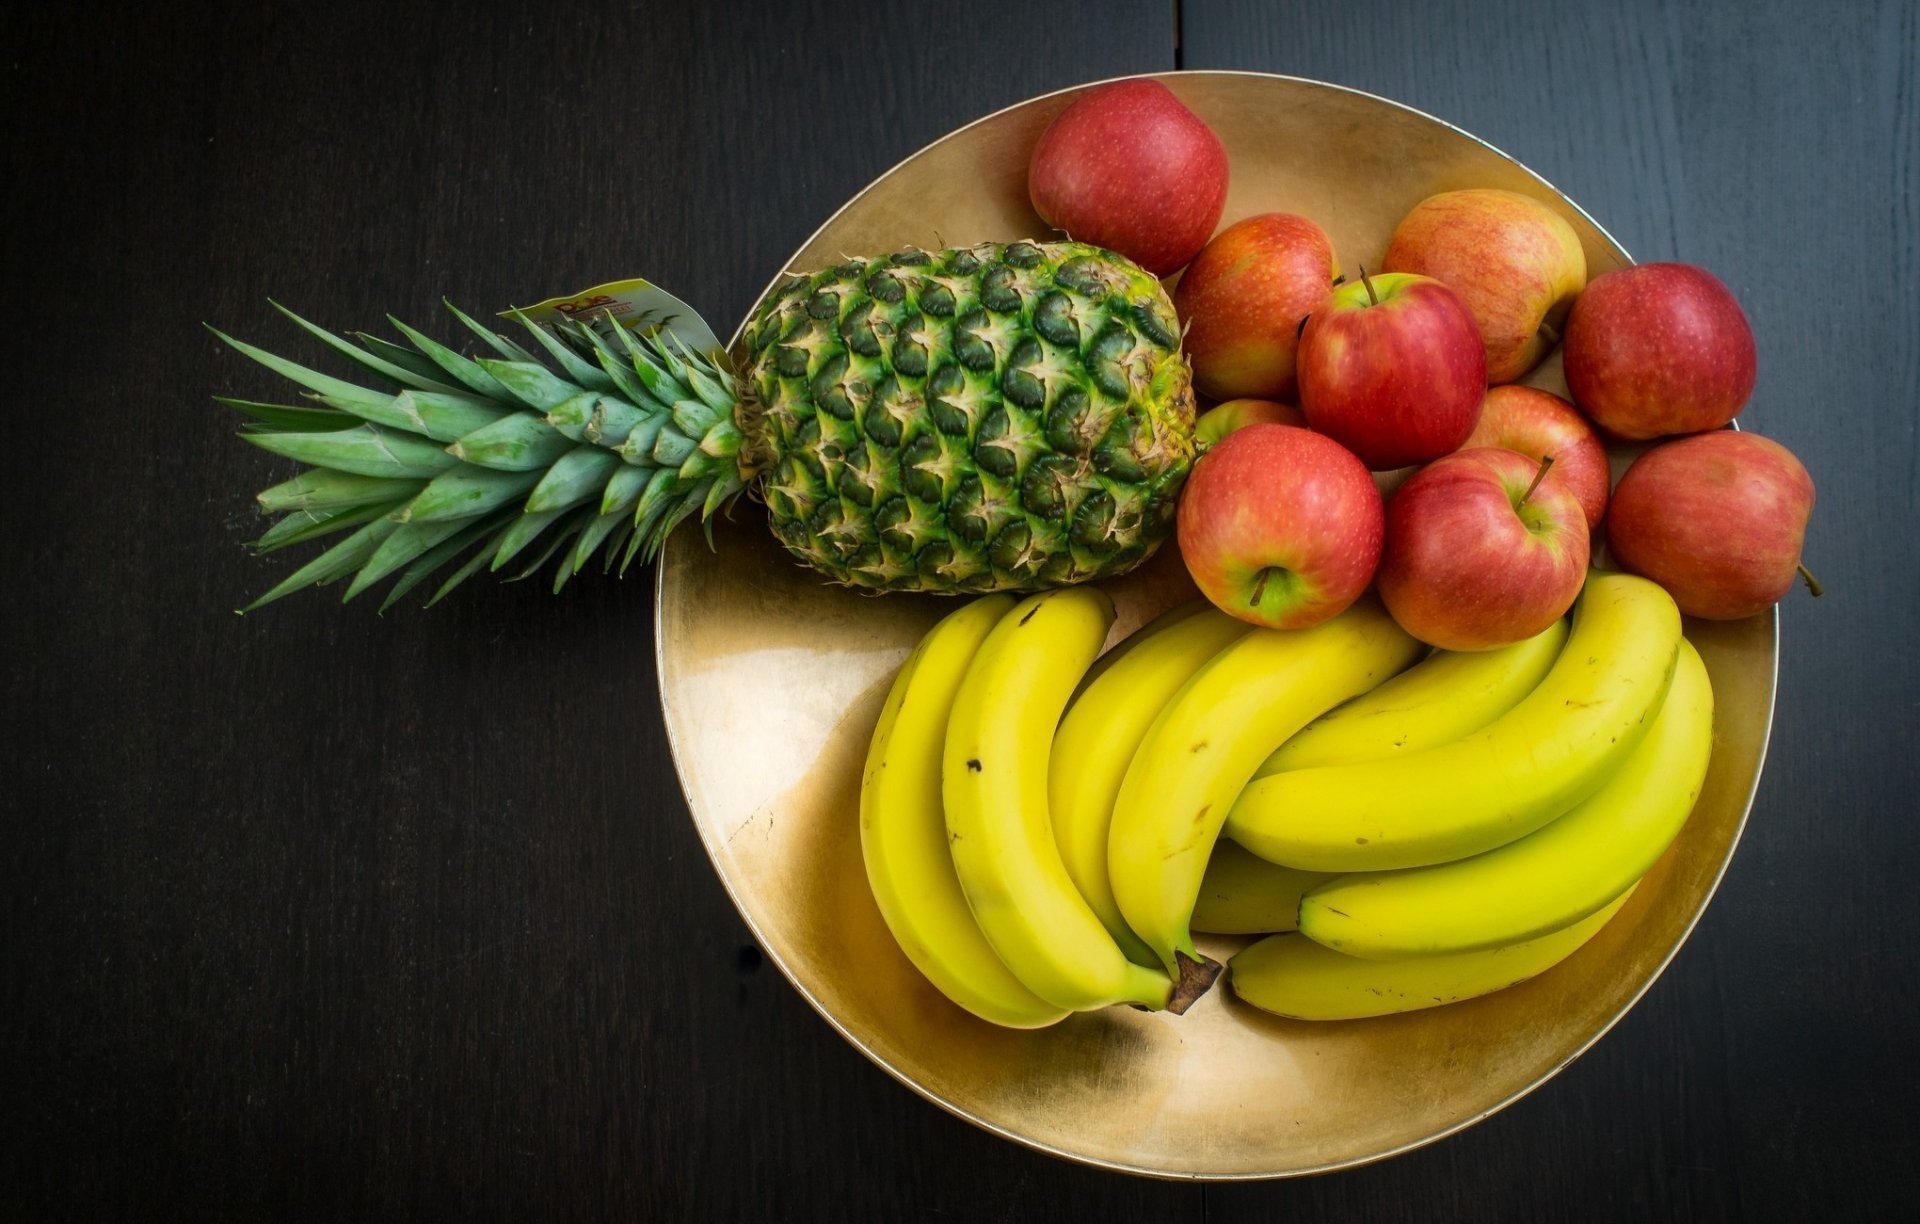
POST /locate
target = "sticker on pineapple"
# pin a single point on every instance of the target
(637, 305)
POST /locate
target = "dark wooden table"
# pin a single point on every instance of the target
(321, 915)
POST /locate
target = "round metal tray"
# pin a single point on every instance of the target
(771, 682)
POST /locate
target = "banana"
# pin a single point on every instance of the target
(1203, 748)
(1096, 742)
(1526, 767)
(1446, 696)
(1290, 975)
(1548, 879)
(903, 832)
(1244, 894)
(994, 784)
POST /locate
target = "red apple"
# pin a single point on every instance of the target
(1280, 526)
(1484, 547)
(1661, 348)
(1222, 419)
(1392, 367)
(1717, 519)
(1242, 300)
(1126, 166)
(1515, 262)
(1539, 423)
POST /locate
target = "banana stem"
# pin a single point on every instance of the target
(1196, 977)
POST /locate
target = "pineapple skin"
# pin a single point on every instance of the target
(996, 417)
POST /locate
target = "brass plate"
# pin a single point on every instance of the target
(771, 682)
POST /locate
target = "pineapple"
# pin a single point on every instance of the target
(999, 417)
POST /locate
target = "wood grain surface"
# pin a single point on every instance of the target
(321, 915)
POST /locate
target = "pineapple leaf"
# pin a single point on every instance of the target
(634, 541)
(570, 415)
(398, 375)
(468, 569)
(400, 355)
(366, 451)
(438, 556)
(492, 339)
(656, 380)
(623, 489)
(654, 499)
(723, 441)
(339, 392)
(569, 361)
(332, 563)
(303, 525)
(464, 492)
(613, 422)
(638, 448)
(722, 488)
(292, 417)
(469, 372)
(520, 533)
(532, 382)
(657, 538)
(404, 545)
(693, 418)
(619, 537)
(574, 478)
(518, 442)
(673, 448)
(621, 372)
(445, 416)
(712, 386)
(575, 520)
(594, 534)
(320, 489)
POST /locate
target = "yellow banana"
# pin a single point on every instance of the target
(1290, 975)
(1547, 879)
(994, 783)
(1446, 696)
(1096, 742)
(1244, 894)
(903, 831)
(1520, 771)
(1205, 745)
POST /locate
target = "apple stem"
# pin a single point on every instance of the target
(1260, 586)
(1373, 299)
(1546, 461)
(1813, 584)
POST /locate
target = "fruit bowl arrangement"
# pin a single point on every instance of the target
(1286, 786)
(772, 685)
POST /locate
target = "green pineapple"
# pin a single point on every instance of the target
(990, 418)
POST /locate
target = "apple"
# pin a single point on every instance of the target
(1717, 519)
(1660, 348)
(1242, 300)
(1222, 419)
(1128, 167)
(1391, 367)
(1280, 526)
(1515, 262)
(1539, 423)
(1485, 547)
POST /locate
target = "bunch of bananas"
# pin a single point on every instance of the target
(1043, 834)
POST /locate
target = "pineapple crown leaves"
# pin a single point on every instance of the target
(582, 444)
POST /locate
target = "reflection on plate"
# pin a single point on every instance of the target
(771, 683)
